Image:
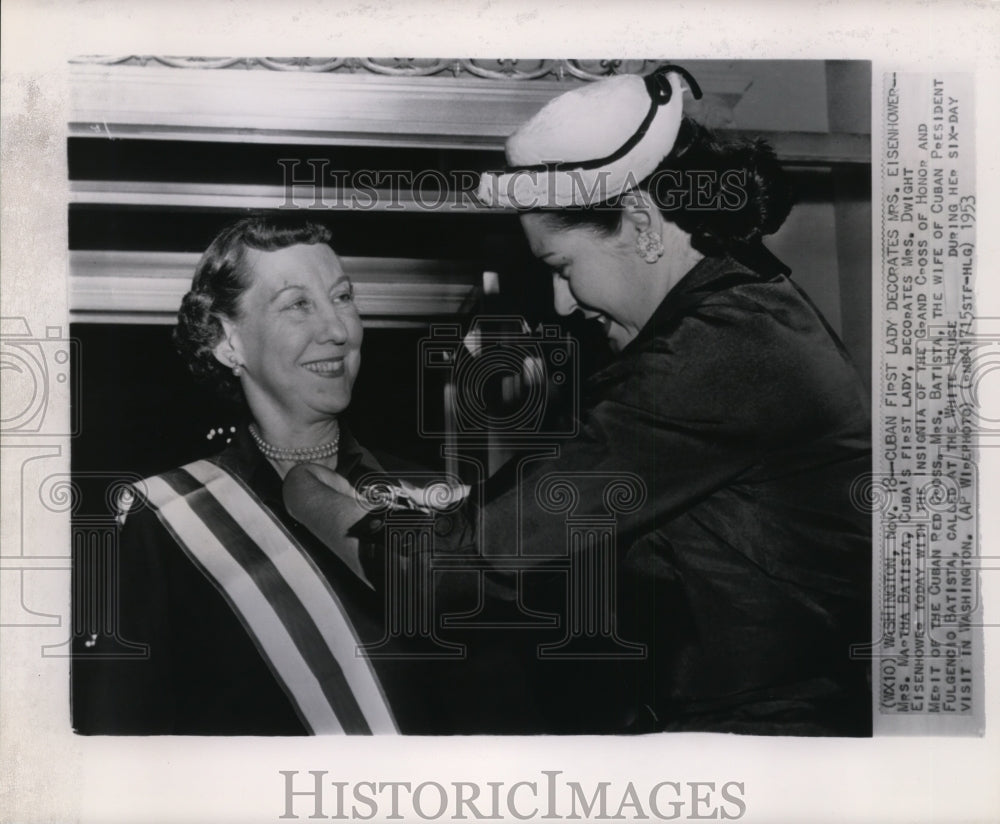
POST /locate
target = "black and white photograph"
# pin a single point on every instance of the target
(498, 436)
(557, 442)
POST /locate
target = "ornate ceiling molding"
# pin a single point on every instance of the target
(492, 69)
(360, 101)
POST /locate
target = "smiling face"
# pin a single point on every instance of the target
(592, 273)
(298, 335)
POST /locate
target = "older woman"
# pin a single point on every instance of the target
(231, 597)
(739, 575)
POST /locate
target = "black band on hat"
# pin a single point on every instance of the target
(659, 87)
(660, 93)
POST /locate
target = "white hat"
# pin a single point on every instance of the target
(592, 143)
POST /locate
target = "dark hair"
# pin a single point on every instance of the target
(220, 279)
(751, 189)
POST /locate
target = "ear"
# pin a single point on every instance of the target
(639, 213)
(227, 351)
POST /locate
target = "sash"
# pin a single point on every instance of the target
(286, 605)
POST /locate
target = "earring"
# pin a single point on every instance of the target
(649, 245)
(237, 368)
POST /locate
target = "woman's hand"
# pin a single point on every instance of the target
(328, 506)
(334, 480)
(439, 495)
(433, 496)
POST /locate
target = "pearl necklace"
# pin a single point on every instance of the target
(302, 454)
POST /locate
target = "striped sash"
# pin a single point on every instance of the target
(278, 593)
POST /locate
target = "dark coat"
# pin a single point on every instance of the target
(204, 674)
(745, 573)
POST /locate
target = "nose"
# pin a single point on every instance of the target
(331, 326)
(562, 297)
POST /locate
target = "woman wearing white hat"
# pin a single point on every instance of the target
(740, 575)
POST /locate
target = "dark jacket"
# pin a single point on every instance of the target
(204, 674)
(727, 569)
